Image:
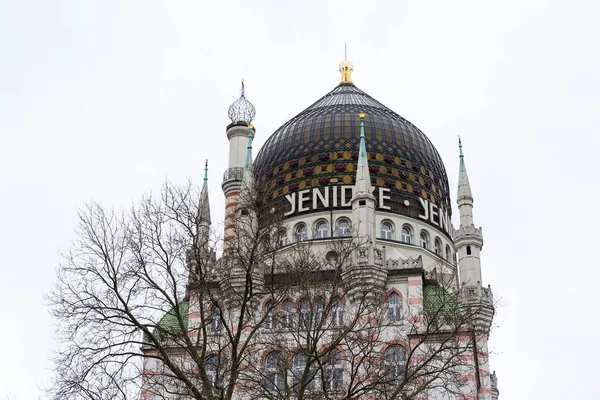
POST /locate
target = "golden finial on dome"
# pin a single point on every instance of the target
(346, 68)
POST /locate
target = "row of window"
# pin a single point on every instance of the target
(322, 231)
(303, 368)
(288, 317)
(387, 231)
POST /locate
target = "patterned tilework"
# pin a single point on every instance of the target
(319, 147)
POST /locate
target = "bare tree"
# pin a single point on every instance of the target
(145, 308)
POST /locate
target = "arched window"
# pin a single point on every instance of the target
(299, 368)
(287, 315)
(468, 250)
(395, 364)
(215, 321)
(337, 312)
(304, 315)
(343, 227)
(437, 245)
(319, 311)
(387, 230)
(301, 232)
(282, 237)
(424, 239)
(212, 366)
(333, 376)
(406, 234)
(394, 307)
(448, 254)
(269, 318)
(322, 229)
(274, 372)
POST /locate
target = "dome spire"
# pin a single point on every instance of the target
(241, 111)
(346, 68)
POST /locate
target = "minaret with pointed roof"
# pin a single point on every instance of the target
(468, 239)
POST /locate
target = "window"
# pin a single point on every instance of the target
(215, 321)
(274, 372)
(337, 312)
(387, 231)
(212, 369)
(438, 246)
(269, 319)
(301, 233)
(468, 250)
(394, 307)
(342, 227)
(287, 315)
(299, 369)
(304, 317)
(322, 229)
(334, 372)
(424, 240)
(283, 239)
(448, 254)
(395, 364)
(320, 310)
(406, 234)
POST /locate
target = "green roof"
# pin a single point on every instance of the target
(436, 297)
(169, 321)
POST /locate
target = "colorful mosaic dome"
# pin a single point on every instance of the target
(319, 147)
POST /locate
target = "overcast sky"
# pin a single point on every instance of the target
(102, 100)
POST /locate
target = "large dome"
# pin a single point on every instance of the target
(319, 148)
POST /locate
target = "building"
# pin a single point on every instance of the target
(365, 288)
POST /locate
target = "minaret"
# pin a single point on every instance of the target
(366, 277)
(476, 300)
(468, 239)
(244, 234)
(363, 201)
(241, 113)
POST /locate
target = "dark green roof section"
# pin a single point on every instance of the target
(169, 321)
(436, 298)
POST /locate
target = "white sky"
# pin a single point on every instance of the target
(103, 100)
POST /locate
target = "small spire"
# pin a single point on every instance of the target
(249, 148)
(363, 177)
(203, 220)
(464, 188)
(205, 174)
(248, 177)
